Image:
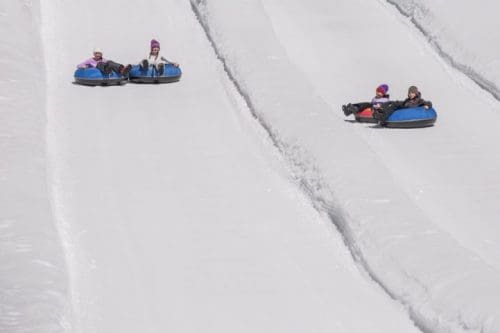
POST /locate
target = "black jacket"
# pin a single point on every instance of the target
(417, 101)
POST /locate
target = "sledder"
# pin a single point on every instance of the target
(414, 111)
(99, 71)
(155, 68)
(363, 111)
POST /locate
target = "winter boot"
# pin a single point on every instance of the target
(348, 109)
(160, 68)
(125, 70)
(344, 108)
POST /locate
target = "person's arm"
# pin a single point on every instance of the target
(169, 62)
(425, 104)
(406, 103)
(85, 64)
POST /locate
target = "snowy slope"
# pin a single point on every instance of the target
(465, 33)
(429, 164)
(408, 217)
(169, 208)
(34, 286)
(181, 215)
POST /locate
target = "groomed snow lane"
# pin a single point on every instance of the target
(297, 56)
(181, 215)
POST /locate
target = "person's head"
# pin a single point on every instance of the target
(97, 53)
(155, 46)
(382, 90)
(413, 92)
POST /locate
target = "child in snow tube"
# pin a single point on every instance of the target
(155, 68)
(100, 71)
(363, 111)
(414, 111)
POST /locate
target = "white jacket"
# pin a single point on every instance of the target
(155, 60)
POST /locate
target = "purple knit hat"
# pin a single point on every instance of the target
(155, 43)
(383, 89)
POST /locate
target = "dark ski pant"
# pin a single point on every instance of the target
(361, 106)
(387, 109)
(109, 66)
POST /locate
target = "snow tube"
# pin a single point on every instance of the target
(412, 118)
(94, 77)
(365, 116)
(151, 75)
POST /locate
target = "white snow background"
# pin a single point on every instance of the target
(240, 199)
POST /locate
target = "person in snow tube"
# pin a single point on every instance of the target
(413, 100)
(104, 65)
(381, 97)
(155, 59)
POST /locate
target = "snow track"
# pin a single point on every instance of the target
(169, 208)
(181, 216)
(399, 246)
(455, 36)
(34, 281)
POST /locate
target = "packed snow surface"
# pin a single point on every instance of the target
(241, 198)
(34, 284)
(464, 33)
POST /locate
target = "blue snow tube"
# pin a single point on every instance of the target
(151, 75)
(412, 118)
(94, 77)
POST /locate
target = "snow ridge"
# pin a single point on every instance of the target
(397, 251)
(34, 286)
(197, 7)
(411, 12)
(300, 167)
